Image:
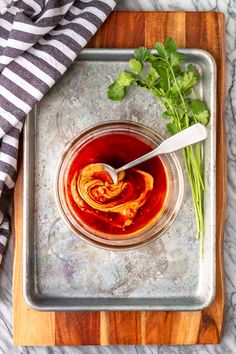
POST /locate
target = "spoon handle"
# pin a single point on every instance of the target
(188, 136)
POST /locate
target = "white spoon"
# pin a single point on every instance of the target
(188, 136)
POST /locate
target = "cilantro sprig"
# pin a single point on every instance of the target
(173, 85)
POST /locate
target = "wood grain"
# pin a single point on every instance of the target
(130, 323)
(127, 30)
(77, 328)
(29, 326)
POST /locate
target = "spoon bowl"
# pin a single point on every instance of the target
(112, 172)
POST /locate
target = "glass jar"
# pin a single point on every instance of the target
(159, 224)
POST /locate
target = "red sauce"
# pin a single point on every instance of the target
(117, 150)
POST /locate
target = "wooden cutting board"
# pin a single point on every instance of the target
(128, 30)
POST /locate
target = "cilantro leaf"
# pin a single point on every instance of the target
(172, 128)
(174, 89)
(142, 54)
(152, 76)
(152, 57)
(161, 50)
(193, 69)
(176, 59)
(188, 80)
(200, 111)
(203, 117)
(136, 66)
(116, 92)
(170, 45)
(125, 79)
(171, 50)
(181, 113)
(162, 72)
(197, 105)
(167, 114)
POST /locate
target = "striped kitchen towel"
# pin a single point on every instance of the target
(39, 39)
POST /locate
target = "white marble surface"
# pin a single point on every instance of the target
(228, 345)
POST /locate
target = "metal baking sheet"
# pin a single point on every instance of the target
(61, 271)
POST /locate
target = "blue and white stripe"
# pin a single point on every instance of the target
(39, 39)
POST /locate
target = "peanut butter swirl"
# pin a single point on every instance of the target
(94, 187)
